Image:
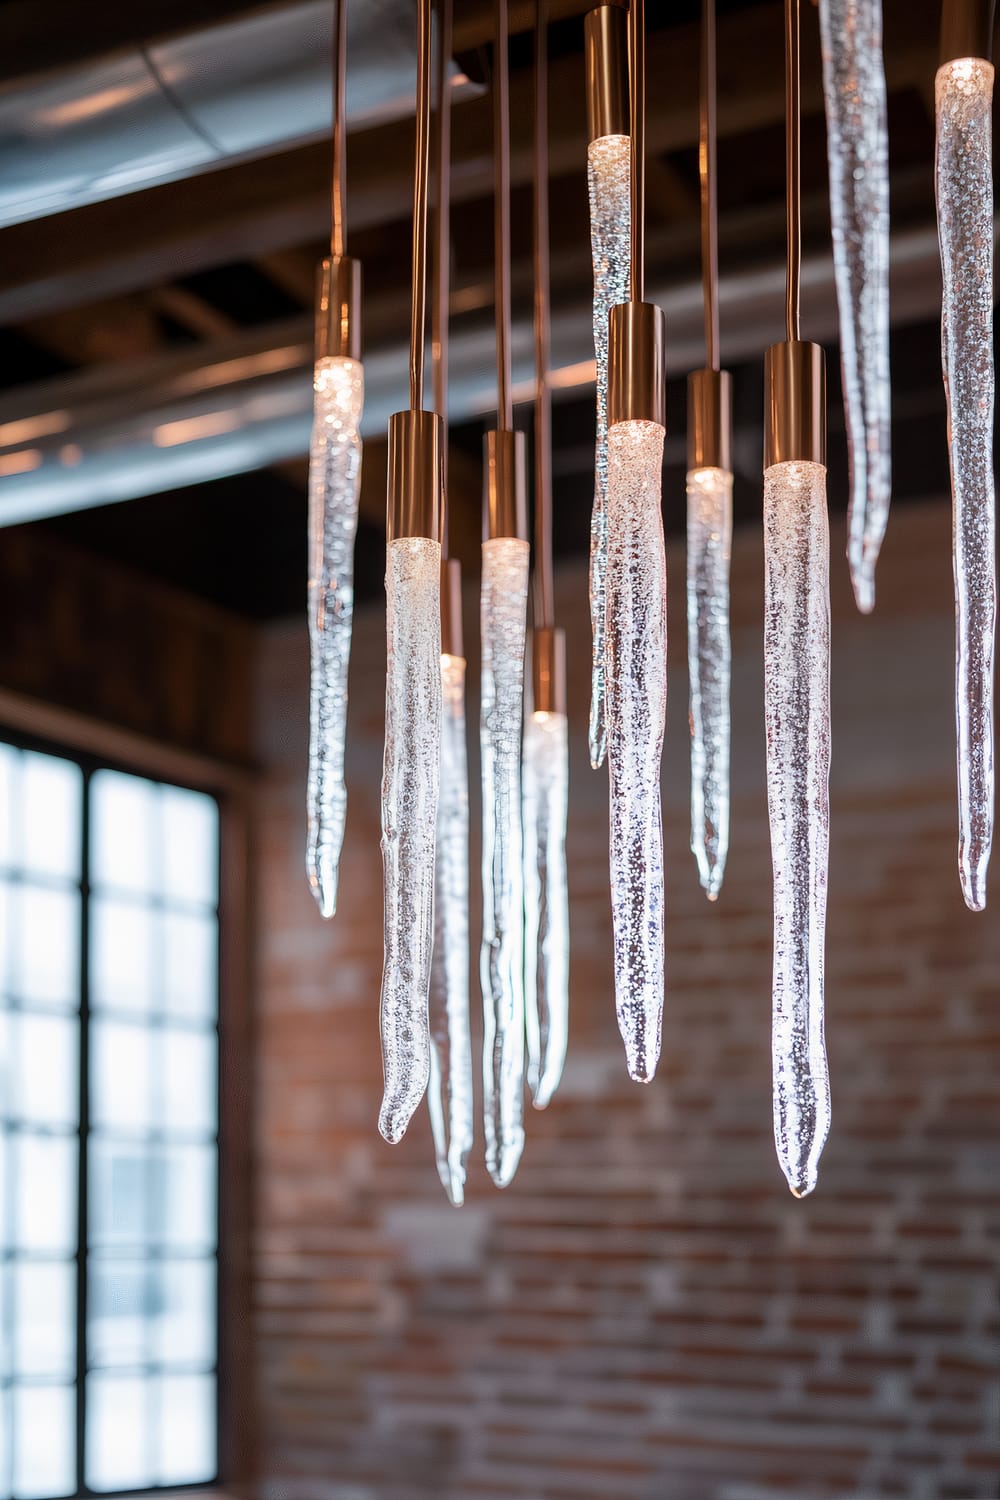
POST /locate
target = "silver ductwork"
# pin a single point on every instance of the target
(122, 432)
(247, 87)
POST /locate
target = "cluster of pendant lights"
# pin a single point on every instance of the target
(524, 956)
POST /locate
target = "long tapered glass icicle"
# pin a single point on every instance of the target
(449, 1094)
(858, 148)
(334, 483)
(797, 715)
(546, 902)
(709, 544)
(964, 180)
(637, 697)
(608, 176)
(410, 784)
(504, 600)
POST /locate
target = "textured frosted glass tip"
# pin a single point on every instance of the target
(503, 608)
(709, 544)
(637, 700)
(410, 782)
(858, 147)
(797, 716)
(334, 485)
(964, 182)
(608, 167)
(449, 1095)
(546, 901)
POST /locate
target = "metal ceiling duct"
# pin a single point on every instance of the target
(121, 432)
(243, 88)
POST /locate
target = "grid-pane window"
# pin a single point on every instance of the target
(108, 1130)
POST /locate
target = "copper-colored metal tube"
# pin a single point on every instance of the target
(637, 91)
(442, 150)
(440, 279)
(707, 138)
(418, 314)
(967, 29)
(794, 404)
(605, 36)
(452, 635)
(338, 308)
(339, 94)
(505, 511)
(501, 215)
(710, 420)
(793, 172)
(548, 670)
(544, 604)
(637, 375)
(416, 475)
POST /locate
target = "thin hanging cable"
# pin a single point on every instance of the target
(637, 186)
(334, 485)
(546, 735)
(544, 608)
(964, 187)
(339, 151)
(797, 704)
(709, 527)
(449, 1094)
(793, 171)
(858, 150)
(501, 219)
(609, 184)
(707, 159)
(413, 712)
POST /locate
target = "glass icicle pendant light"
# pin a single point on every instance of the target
(503, 609)
(797, 697)
(964, 184)
(636, 626)
(334, 485)
(608, 176)
(449, 1095)
(858, 147)
(411, 767)
(546, 734)
(709, 529)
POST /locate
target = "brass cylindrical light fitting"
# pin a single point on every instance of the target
(416, 475)
(637, 374)
(794, 404)
(967, 29)
(710, 420)
(505, 509)
(605, 34)
(548, 670)
(338, 308)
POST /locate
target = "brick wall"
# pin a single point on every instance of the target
(646, 1314)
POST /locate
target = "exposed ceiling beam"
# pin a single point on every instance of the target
(142, 428)
(282, 202)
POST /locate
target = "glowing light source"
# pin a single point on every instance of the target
(709, 543)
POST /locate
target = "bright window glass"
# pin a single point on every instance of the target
(108, 1130)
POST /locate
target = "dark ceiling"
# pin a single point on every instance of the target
(123, 280)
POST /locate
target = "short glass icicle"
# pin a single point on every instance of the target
(410, 782)
(964, 173)
(608, 169)
(546, 902)
(858, 148)
(503, 610)
(797, 715)
(334, 484)
(709, 544)
(449, 1095)
(637, 700)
